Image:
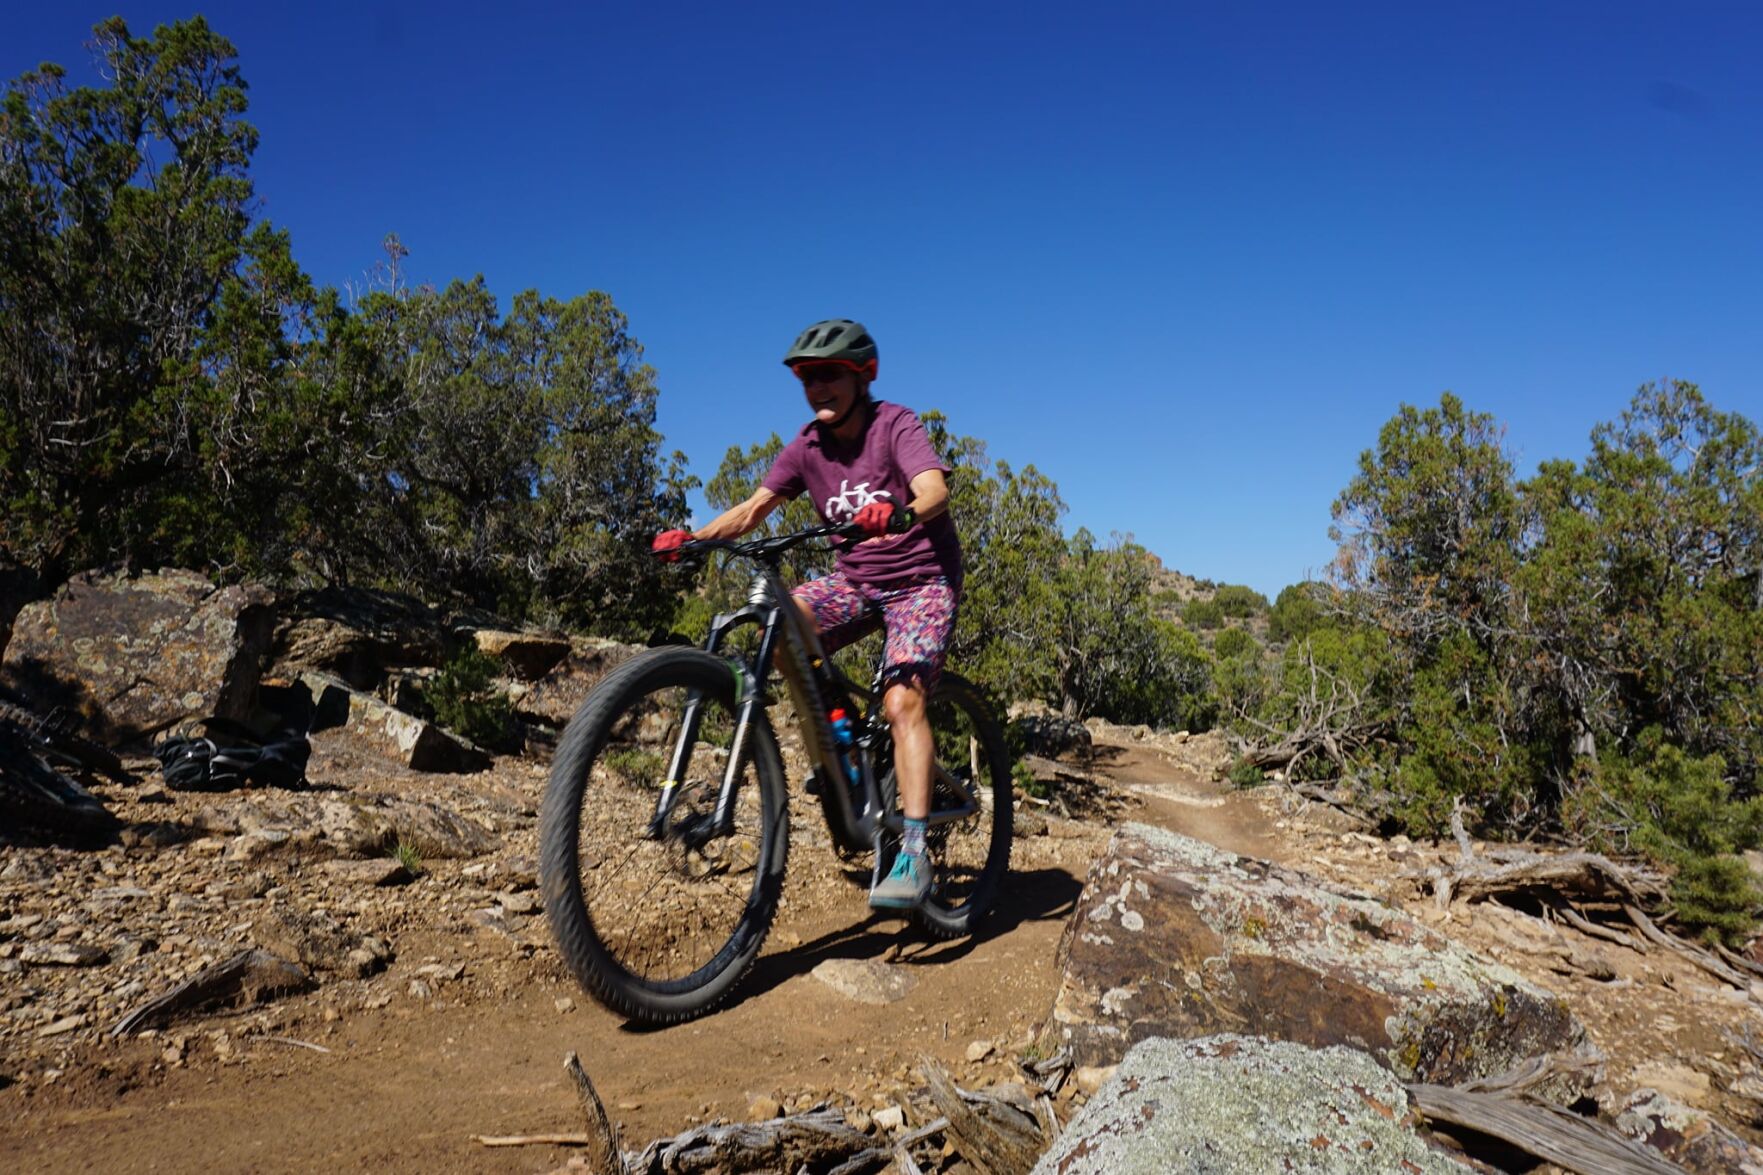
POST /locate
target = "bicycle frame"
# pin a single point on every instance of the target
(787, 641)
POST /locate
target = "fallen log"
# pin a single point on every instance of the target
(248, 977)
(816, 1138)
(1557, 1136)
(1689, 951)
(991, 1134)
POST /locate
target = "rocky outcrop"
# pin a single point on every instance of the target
(1239, 1105)
(388, 731)
(137, 655)
(1688, 1137)
(526, 655)
(356, 635)
(554, 699)
(349, 827)
(1175, 938)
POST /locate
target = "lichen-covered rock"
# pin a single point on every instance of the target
(390, 732)
(1176, 938)
(137, 655)
(356, 635)
(1688, 1137)
(1239, 1105)
(527, 655)
(350, 827)
(554, 698)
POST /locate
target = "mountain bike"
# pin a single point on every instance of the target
(39, 756)
(665, 825)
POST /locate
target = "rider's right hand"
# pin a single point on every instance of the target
(668, 542)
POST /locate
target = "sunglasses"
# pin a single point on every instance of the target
(821, 373)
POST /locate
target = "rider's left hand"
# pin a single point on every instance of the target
(875, 518)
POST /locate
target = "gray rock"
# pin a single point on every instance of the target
(1236, 1105)
(866, 980)
(1175, 938)
(1688, 1137)
(527, 655)
(61, 954)
(390, 732)
(379, 871)
(554, 699)
(356, 634)
(142, 654)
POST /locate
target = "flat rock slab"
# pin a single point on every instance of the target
(527, 655)
(365, 826)
(135, 656)
(1175, 938)
(388, 731)
(866, 980)
(1237, 1105)
(554, 698)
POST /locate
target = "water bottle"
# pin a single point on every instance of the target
(842, 735)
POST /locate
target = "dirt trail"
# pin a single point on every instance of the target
(405, 1086)
(406, 1082)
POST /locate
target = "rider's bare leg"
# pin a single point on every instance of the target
(914, 748)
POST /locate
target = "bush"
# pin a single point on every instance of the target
(1245, 774)
(1680, 812)
(467, 702)
(1296, 612)
(1202, 614)
(1234, 642)
(639, 767)
(1027, 783)
(1239, 602)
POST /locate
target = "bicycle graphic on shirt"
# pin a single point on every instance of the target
(665, 826)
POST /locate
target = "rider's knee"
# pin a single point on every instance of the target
(903, 703)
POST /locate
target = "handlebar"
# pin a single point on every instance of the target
(767, 550)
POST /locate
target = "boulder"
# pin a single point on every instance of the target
(1688, 1137)
(356, 635)
(554, 698)
(1241, 1105)
(388, 731)
(138, 655)
(354, 827)
(526, 655)
(1176, 938)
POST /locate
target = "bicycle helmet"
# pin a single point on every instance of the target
(836, 340)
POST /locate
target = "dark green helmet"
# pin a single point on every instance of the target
(837, 340)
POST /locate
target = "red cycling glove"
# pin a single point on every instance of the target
(883, 518)
(667, 544)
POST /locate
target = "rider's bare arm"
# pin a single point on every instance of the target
(930, 495)
(746, 516)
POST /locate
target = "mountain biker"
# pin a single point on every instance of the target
(870, 462)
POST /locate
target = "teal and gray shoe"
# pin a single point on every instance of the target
(905, 886)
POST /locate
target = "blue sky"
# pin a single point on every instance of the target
(1184, 258)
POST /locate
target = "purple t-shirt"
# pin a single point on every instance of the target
(841, 479)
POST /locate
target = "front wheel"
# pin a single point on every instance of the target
(658, 919)
(970, 853)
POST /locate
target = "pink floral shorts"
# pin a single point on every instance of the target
(918, 616)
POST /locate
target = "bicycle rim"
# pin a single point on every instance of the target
(969, 855)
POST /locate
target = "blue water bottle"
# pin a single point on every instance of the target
(841, 724)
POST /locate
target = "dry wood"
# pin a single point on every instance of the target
(531, 1139)
(816, 1138)
(1694, 954)
(991, 1134)
(247, 977)
(1586, 874)
(604, 1157)
(1583, 1062)
(304, 1044)
(1570, 1142)
(1586, 926)
(903, 1160)
(1738, 960)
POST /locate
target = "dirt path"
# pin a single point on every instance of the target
(406, 1085)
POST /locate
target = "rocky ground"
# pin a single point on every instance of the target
(438, 1011)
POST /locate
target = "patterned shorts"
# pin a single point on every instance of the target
(918, 617)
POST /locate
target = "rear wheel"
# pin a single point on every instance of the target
(970, 854)
(660, 923)
(33, 795)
